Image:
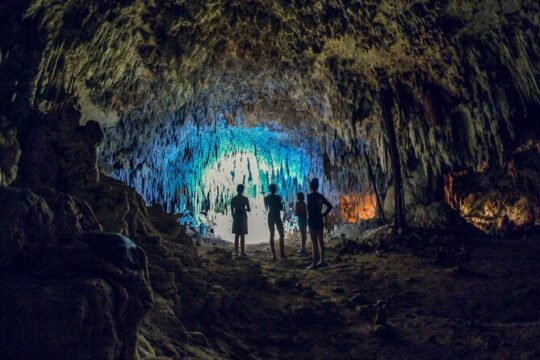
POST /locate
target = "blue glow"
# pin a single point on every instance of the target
(197, 168)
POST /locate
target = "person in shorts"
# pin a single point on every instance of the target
(240, 208)
(300, 210)
(315, 204)
(274, 205)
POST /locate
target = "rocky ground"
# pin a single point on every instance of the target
(481, 304)
(422, 294)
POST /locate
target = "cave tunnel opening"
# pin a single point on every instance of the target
(192, 170)
(126, 125)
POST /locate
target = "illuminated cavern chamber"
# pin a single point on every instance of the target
(193, 169)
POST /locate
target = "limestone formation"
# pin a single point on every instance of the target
(61, 296)
(462, 79)
(110, 109)
(59, 153)
(500, 200)
(26, 224)
(10, 153)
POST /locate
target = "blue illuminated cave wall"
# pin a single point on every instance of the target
(185, 166)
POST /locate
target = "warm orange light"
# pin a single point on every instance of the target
(357, 206)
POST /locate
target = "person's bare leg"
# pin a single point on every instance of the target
(236, 244)
(314, 246)
(321, 245)
(304, 238)
(281, 241)
(272, 245)
(243, 244)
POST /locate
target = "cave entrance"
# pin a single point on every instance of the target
(193, 168)
(255, 157)
(219, 182)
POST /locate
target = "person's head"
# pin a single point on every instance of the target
(272, 188)
(240, 189)
(300, 196)
(314, 184)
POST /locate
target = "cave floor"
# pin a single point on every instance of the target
(483, 306)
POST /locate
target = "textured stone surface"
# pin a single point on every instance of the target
(59, 153)
(62, 296)
(500, 200)
(464, 78)
(10, 153)
(26, 224)
(72, 216)
(322, 64)
(58, 320)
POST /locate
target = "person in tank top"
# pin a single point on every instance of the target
(315, 204)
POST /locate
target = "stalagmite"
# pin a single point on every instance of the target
(399, 207)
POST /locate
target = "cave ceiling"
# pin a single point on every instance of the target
(461, 71)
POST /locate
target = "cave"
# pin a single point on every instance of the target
(127, 125)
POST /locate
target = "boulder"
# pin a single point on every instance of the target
(26, 224)
(64, 293)
(83, 300)
(60, 153)
(109, 199)
(58, 319)
(72, 216)
(116, 249)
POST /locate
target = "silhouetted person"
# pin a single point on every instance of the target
(315, 203)
(300, 211)
(239, 209)
(274, 204)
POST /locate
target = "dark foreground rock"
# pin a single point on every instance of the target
(10, 152)
(78, 297)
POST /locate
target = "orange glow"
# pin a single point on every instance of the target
(356, 206)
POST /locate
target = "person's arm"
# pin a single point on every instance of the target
(297, 209)
(248, 208)
(232, 207)
(280, 203)
(329, 206)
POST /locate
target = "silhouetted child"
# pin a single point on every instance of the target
(300, 211)
(274, 204)
(315, 203)
(239, 209)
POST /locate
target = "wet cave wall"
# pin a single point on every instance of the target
(456, 81)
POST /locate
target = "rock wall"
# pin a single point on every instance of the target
(69, 151)
(500, 200)
(463, 77)
(62, 294)
(463, 74)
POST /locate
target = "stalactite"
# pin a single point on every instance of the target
(205, 164)
(465, 88)
(387, 102)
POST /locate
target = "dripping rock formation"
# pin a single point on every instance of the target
(121, 119)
